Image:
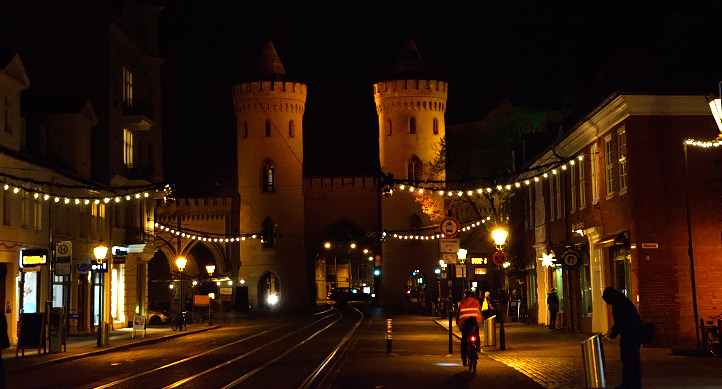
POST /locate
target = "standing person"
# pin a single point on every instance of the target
(468, 318)
(4, 343)
(553, 304)
(487, 307)
(628, 325)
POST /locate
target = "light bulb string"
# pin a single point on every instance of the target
(206, 236)
(67, 199)
(521, 180)
(422, 233)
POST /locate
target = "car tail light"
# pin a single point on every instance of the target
(473, 338)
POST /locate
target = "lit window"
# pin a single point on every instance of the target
(582, 183)
(609, 165)
(595, 173)
(573, 198)
(268, 128)
(127, 147)
(388, 127)
(269, 177)
(415, 169)
(117, 293)
(622, 151)
(436, 126)
(412, 125)
(127, 86)
(291, 129)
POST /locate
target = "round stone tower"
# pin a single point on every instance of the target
(269, 121)
(411, 121)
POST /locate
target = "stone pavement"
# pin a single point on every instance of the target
(553, 360)
(81, 346)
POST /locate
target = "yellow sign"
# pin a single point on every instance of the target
(34, 257)
(478, 261)
(479, 271)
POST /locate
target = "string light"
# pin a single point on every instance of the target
(426, 233)
(703, 144)
(204, 236)
(82, 200)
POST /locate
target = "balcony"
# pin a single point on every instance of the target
(138, 116)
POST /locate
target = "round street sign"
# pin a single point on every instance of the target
(570, 257)
(498, 257)
(450, 227)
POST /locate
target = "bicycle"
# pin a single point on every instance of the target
(712, 335)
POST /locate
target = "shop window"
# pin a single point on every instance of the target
(59, 291)
(31, 292)
(117, 293)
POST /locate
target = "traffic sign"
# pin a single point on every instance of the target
(63, 251)
(449, 246)
(450, 227)
(570, 258)
(499, 257)
(449, 258)
(62, 268)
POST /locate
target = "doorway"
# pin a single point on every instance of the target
(269, 291)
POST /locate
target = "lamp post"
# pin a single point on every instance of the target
(499, 235)
(210, 269)
(181, 262)
(100, 252)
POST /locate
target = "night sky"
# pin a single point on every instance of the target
(534, 56)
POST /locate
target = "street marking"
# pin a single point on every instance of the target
(126, 379)
(242, 356)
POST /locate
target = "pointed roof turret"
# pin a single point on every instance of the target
(409, 60)
(271, 65)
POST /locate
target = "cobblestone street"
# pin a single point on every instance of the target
(553, 360)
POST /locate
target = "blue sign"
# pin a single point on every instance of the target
(100, 267)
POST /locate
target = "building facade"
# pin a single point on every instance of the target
(618, 199)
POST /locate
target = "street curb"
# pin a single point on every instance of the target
(447, 329)
(113, 349)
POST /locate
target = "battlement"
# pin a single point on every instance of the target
(340, 184)
(411, 95)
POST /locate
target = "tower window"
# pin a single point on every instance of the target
(245, 129)
(291, 129)
(415, 169)
(127, 88)
(269, 177)
(268, 128)
(412, 125)
(388, 127)
(127, 148)
(436, 126)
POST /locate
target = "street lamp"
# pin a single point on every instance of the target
(100, 252)
(210, 269)
(181, 263)
(327, 245)
(352, 245)
(366, 251)
(499, 235)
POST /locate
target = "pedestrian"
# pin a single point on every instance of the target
(4, 343)
(553, 304)
(627, 324)
(487, 307)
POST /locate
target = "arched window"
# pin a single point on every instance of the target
(268, 128)
(412, 125)
(268, 233)
(268, 177)
(436, 126)
(388, 127)
(415, 169)
(291, 129)
(245, 129)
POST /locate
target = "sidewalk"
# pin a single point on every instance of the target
(83, 346)
(553, 359)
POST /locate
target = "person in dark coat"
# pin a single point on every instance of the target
(627, 324)
(553, 304)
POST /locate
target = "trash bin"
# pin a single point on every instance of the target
(594, 365)
(490, 332)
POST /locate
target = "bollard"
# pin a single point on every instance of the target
(490, 332)
(594, 365)
(389, 330)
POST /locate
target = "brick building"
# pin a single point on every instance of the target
(621, 205)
